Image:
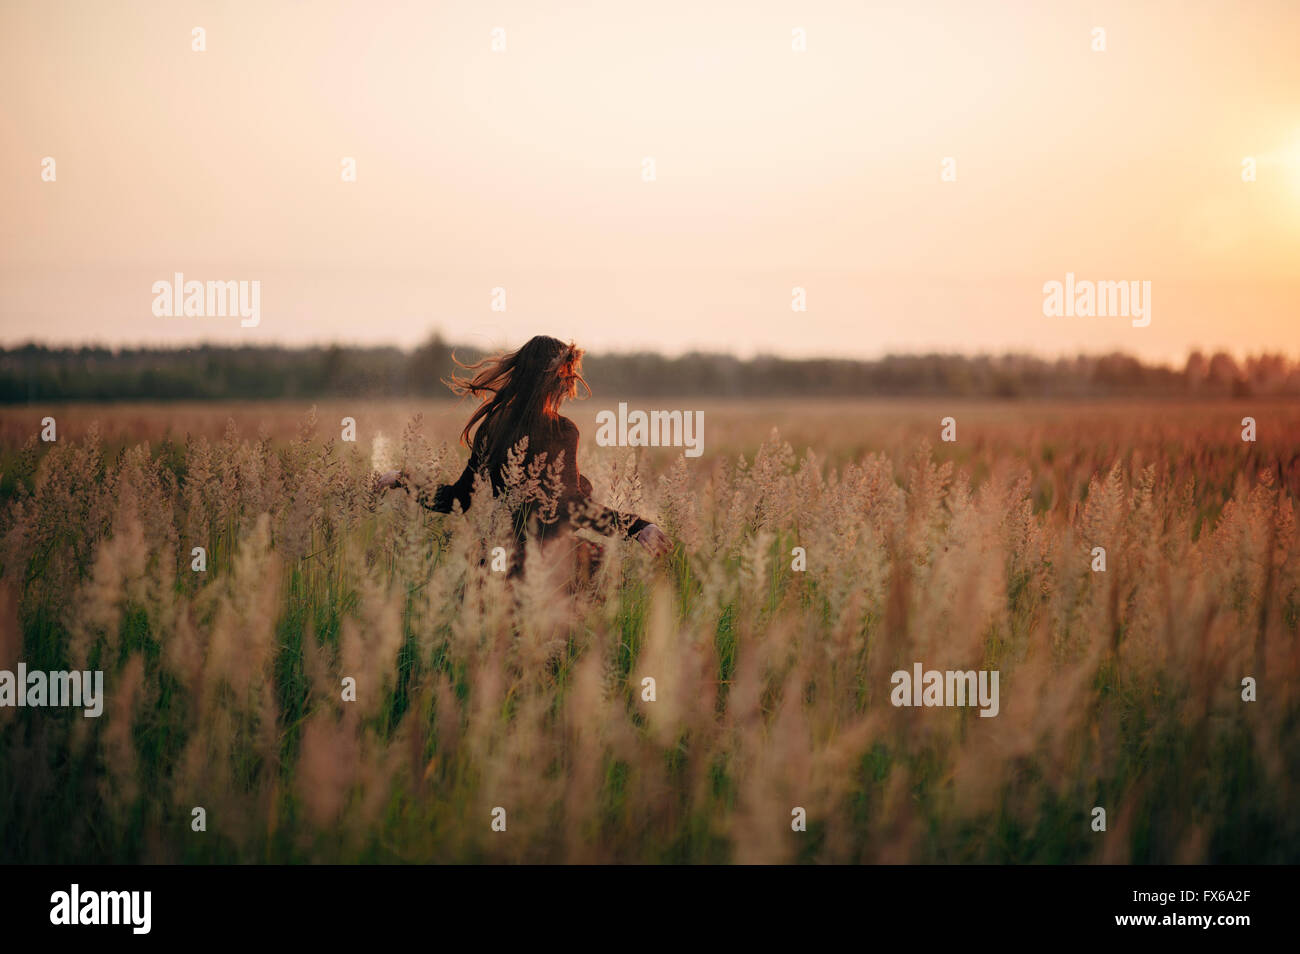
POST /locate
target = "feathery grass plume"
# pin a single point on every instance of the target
(120, 786)
(383, 456)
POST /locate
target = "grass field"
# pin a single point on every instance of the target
(1120, 689)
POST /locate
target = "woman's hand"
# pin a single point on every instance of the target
(389, 480)
(653, 539)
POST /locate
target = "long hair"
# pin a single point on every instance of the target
(521, 392)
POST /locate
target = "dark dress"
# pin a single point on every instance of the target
(574, 507)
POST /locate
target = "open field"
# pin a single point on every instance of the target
(1120, 689)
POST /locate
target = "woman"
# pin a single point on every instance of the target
(521, 393)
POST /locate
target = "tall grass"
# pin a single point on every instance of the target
(1119, 689)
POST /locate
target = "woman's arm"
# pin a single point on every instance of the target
(441, 498)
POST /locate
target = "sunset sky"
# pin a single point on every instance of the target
(522, 169)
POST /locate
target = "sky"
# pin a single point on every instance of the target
(523, 169)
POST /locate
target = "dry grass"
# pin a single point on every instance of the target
(1120, 689)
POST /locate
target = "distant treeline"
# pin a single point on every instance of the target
(34, 373)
